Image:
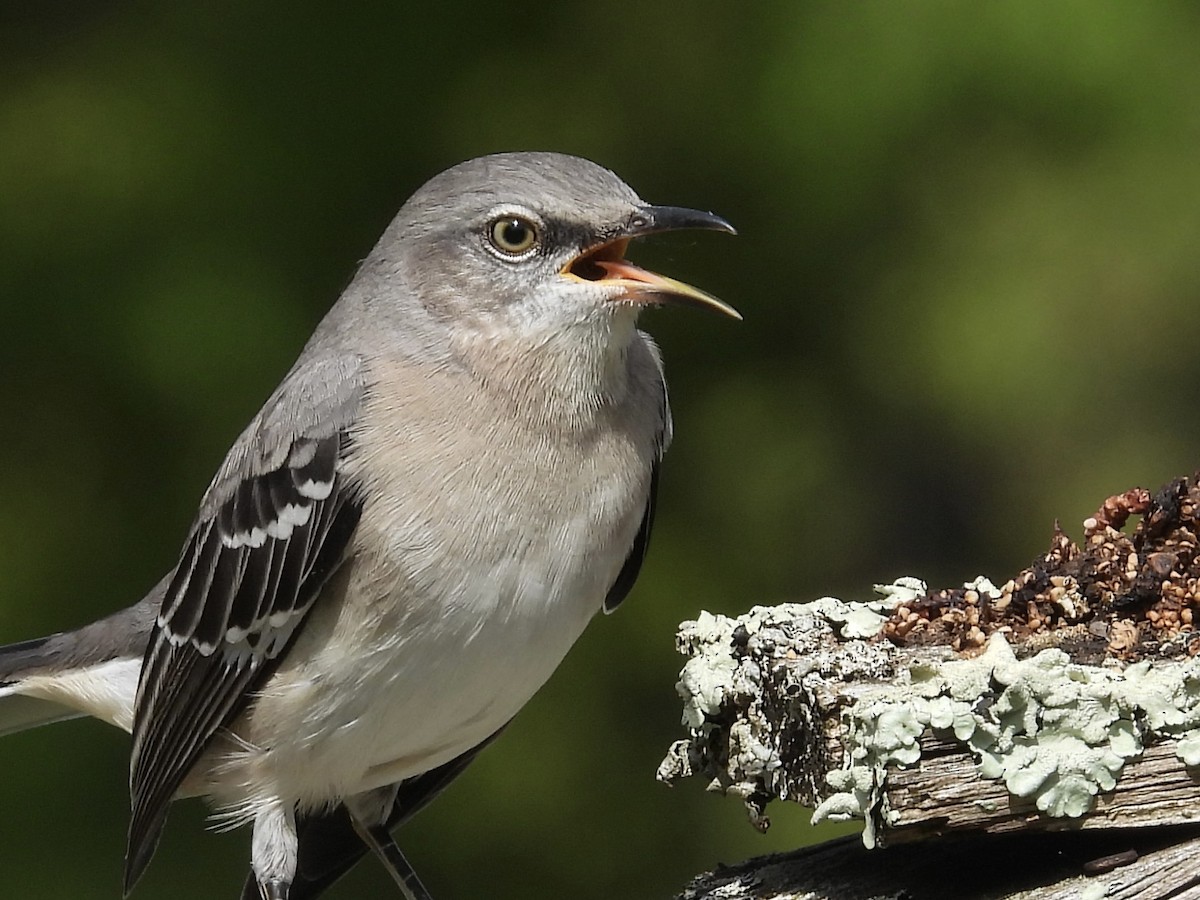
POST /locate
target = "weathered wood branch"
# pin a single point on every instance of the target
(1067, 700)
(945, 794)
(1147, 864)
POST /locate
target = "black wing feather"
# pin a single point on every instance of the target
(185, 597)
(637, 553)
(255, 587)
(246, 579)
(222, 592)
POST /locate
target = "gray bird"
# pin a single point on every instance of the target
(457, 473)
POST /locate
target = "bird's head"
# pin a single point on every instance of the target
(532, 244)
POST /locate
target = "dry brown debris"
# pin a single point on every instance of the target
(1122, 595)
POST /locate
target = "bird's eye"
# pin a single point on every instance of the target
(512, 235)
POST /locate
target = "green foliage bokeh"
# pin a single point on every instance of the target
(968, 265)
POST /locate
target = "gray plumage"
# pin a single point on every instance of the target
(456, 474)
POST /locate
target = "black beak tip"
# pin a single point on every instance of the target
(719, 223)
(679, 218)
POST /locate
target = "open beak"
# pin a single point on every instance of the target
(606, 264)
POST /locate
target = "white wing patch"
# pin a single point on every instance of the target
(315, 490)
(294, 515)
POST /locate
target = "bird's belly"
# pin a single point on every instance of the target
(422, 675)
(438, 696)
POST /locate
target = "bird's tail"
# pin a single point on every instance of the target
(92, 671)
(20, 708)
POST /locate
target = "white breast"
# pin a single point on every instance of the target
(468, 585)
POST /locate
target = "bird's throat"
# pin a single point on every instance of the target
(562, 376)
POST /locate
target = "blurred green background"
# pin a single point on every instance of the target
(968, 264)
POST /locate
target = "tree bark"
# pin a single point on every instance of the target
(1056, 717)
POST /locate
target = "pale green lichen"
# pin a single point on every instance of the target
(901, 591)
(1052, 731)
(855, 620)
(703, 684)
(733, 739)
(1188, 748)
(864, 619)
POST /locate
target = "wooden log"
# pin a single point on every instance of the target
(1147, 864)
(1061, 707)
(782, 704)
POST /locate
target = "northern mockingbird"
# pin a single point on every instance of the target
(455, 476)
